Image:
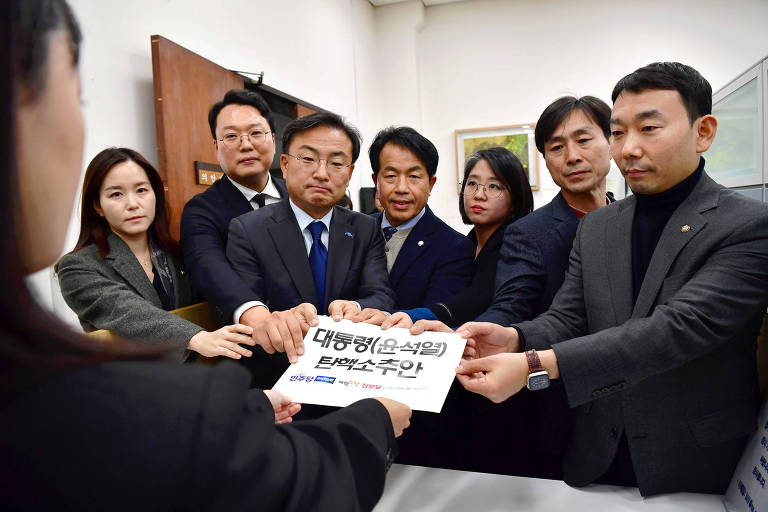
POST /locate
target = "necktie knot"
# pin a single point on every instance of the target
(259, 200)
(388, 232)
(316, 228)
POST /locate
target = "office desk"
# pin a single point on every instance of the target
(415, 488)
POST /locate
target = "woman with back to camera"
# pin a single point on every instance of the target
(494, 193)
(124, 273)
(90, 425)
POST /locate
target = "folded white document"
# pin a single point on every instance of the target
(345, 361)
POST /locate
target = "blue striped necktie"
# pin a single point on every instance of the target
(318, 259)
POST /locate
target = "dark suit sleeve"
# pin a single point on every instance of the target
(205, 257)
(521, 278)
(699, 313)
(452, 272)
(337, 462)
(470, 302)
(106, 303)
(374, 290)
(242, 256)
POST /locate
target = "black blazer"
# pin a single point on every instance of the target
(473, 300)
(434, 263)
(204, 229)
(138, 435)
(532, 263)
(267, 251)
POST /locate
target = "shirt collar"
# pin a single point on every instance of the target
(304, 219)
(270, 189)
(408, 225)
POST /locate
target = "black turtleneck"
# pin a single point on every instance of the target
(651, 215)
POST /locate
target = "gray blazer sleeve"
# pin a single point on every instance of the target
(698, 310)
(102, 299)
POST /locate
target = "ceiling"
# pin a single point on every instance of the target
(377, 3)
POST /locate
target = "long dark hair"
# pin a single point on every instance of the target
(509, 171)
(94, 228)
(33, 342)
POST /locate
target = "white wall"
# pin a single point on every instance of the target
(463, 65)
(495, 62)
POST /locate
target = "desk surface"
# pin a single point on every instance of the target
(416, 488)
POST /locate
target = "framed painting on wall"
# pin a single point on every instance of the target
(518, 138)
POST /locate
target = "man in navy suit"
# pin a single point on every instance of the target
(306, 251)
(427, 260)
(572, 135)
(243, 132)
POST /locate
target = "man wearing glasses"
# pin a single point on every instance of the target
(243, 132)
(305, 253)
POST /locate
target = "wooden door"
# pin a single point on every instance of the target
(186, 86)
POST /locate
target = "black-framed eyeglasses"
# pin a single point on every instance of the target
(492, 190)
(311, 162)
(255, 137)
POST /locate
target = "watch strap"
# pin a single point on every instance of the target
(534, 363)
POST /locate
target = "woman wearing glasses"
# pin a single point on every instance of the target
(494, 192)
(125, 273)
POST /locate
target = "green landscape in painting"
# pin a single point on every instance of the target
(517, 144)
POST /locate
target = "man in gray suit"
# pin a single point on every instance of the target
(653, 331)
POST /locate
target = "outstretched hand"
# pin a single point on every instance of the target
(282, 405)
(486, 339)
(495, 377)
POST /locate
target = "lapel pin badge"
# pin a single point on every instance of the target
(348, 234)
(686, 228)
(421, 242)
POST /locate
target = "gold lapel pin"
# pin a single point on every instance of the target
(421, 242)
(685, 228)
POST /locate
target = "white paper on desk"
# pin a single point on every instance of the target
(415, 370)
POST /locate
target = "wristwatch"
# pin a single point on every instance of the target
(538, 378)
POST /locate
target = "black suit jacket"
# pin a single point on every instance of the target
(533, 261)
(267, 251)
(133, 435)
(204, 229)
(434, 263)
(473, 300)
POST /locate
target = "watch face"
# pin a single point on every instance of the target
(538, 380)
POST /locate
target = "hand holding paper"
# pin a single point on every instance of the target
(345, 361)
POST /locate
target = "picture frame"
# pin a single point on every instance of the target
(518, 138)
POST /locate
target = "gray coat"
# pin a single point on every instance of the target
(676, 371)
(114, 293)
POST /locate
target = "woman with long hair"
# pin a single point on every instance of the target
(102, 426)
(494, 193)
(124, 273)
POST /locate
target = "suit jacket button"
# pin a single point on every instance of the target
(614, 432)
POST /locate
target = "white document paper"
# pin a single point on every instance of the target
(344, 362)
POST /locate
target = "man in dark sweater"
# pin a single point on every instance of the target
(653, 331)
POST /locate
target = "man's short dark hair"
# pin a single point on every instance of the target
(694, 89)
(318, 120)
(408, 138)
(241, 97)
(594, 108)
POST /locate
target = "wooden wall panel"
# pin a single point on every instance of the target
(186, 85)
